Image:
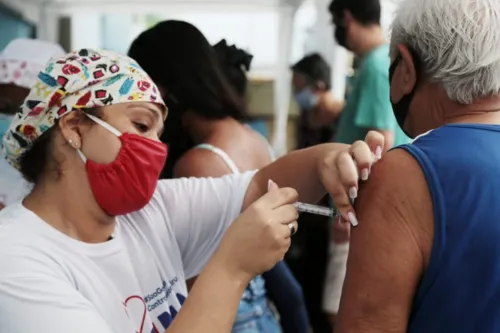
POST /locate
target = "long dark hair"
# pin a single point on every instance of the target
(182, 62)
(180, 59)
(236, 63)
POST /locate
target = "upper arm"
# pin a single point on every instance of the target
(199, 211)
(200, 163)
(374, 109)
(389, 249)
(326, 112)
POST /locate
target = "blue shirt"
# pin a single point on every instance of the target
(460, 290)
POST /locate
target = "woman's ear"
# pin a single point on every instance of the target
(71, 126)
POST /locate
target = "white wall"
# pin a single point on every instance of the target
(304, 40)
(388, 9)
(255, 31)
(116, 27)
(86, 30)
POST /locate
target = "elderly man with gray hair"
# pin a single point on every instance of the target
(426, 257)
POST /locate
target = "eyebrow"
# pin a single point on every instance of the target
(153, 110)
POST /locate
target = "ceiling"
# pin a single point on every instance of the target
(146, 3)
(33, 8)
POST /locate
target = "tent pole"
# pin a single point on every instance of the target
(282, 85)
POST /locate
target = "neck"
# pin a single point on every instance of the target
(370, 38)
(485, 111)
(62, 204)
(201, 129)
(444, 111)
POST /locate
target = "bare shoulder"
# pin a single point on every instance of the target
(390, 248)
(397, 189)
(200, 163)
(396, 163)
(260, 144)
(397, 177)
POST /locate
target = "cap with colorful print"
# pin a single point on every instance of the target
(80, 80)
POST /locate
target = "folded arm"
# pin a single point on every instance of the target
(326, 112)
(389, 250)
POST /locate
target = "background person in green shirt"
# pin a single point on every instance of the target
(368, 107)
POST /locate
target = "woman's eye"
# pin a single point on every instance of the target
(141, 127)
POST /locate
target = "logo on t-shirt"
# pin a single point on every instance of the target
(157, 305)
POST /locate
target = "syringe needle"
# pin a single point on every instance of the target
(314, 209)
(318, 210)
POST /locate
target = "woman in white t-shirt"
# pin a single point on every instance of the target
(100, 245)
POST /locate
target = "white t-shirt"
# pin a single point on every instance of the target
(133, 283)
(13, 187)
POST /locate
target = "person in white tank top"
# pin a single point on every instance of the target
(204, 109)
(209, 114)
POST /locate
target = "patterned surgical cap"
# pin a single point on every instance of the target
(80, 80)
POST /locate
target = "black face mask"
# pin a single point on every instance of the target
(341, 36)
(402, 107)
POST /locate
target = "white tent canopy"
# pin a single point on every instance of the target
(45, 14)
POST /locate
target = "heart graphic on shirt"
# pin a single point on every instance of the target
(134, 305)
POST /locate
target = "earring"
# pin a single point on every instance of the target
(75, 145)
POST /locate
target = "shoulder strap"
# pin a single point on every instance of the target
(272, 153)
(270, 149)
(222, 154)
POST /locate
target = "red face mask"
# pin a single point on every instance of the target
(127, 184)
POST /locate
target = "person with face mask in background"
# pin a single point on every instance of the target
(357, 28)
(319, 111)
(429, 260)
(100, 245)
(308, 257)
(208, 113)
(20, 63)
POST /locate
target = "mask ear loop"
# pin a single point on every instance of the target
(79, 152)
(103, 124)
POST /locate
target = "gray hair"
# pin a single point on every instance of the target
(457, 41)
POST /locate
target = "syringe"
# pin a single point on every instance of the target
(316, 209)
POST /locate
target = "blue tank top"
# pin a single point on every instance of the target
(460, 290)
